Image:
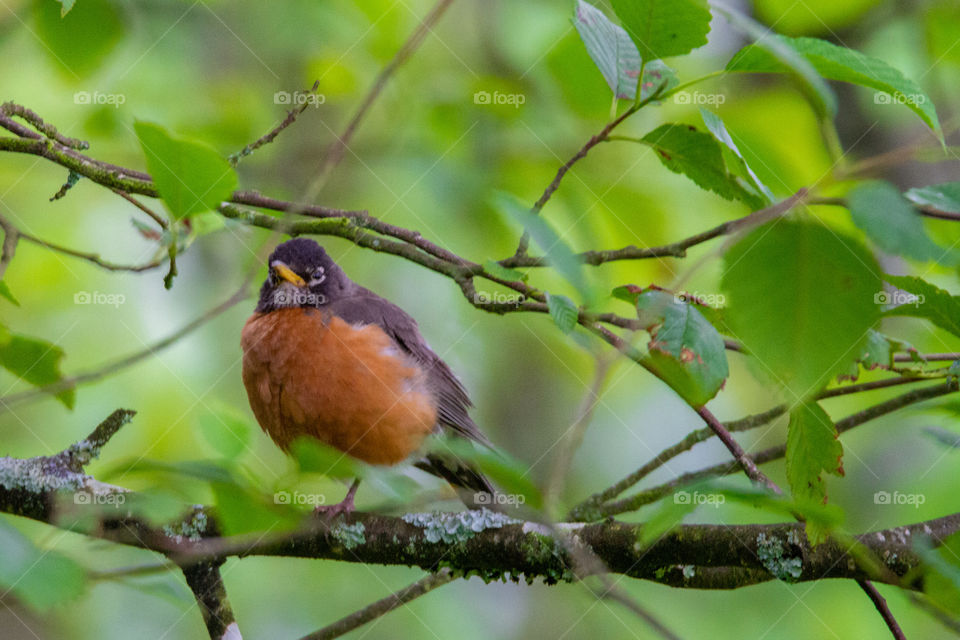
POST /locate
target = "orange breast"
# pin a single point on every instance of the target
(348, 386)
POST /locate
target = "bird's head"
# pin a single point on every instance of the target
(301, 275)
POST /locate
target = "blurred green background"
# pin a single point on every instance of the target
(429, 157)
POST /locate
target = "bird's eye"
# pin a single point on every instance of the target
(318, 275)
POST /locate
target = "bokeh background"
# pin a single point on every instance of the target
(429, 157)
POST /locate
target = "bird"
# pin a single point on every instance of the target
(326, 358)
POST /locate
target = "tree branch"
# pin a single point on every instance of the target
(881, 604)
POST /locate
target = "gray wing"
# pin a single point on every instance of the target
(453, 403)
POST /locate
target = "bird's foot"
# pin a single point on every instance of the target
(343, 508)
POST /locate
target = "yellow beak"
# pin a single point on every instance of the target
(287, 274)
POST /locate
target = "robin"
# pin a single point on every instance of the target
(326, 358)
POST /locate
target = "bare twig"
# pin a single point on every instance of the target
(384, 606)
(881, 604)
(269, 137)
(749, 467)
(90, 257)
(139, 205)
(205, 581)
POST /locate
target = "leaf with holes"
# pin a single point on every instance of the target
(35, 361)
(664, 28)
(930, 302)
(697, 155)
(800, 297)
(845, 65)
(190, 176)
(685, 350)
(888, 219)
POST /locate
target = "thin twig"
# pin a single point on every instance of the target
(383, 606)
(749, 467)
(10, 237)
(268, 137)
(881, 604)
(92, 257)
(139, 205)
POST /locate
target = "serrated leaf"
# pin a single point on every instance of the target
(845, 65)
(190, 176)
(313, 456)
(610, 48)
(6, 293)
(226, 430)
(35, 361)
(79, 43)
(664, 28)
(563, 311)
(945, 196)
(888, 219)
(813, 447)
(41, 578)
(769, 47)
(494, 268)
(657, 77)
(800, 298)
(697, 155)
(878, 351)
(733, 158)
(684, 350)
(931, 302)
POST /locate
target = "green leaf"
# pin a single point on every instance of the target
(226, 430)
(734, 159)
(878, 351)
(683, 149)
(611, 49)
(930, 302)
(313, 456)
(775, 52)
(800, 298)
(240, 511)
(190, 176)
(941, 574)
(812, 448)
(945, 196)
(888, 219)
(6, 293)
(657, 77)
(494, 268)
(684, 350)
(563, 311)
(35, 361)
(65, 6)
(560, 256)
(664, 28)
(845, 65)
(41, 578)
(79, 43)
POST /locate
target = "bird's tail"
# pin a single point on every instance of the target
(474, 489)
